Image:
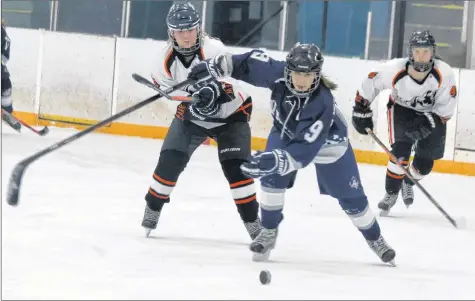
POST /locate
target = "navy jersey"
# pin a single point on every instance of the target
(5, 46)
(313, 127)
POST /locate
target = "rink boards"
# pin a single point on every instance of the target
(74, 80)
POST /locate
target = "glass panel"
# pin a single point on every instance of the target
(380, 26)
(337, 27)
(90, 16)
(444, 19)
(233, 21)
(148, 18)
(292, 28)
(26, 14)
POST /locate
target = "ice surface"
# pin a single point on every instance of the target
(76, 232)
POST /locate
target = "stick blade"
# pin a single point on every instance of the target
(44, 131)
(139, 78)
(13, 190)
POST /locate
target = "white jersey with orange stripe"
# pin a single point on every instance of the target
(174, 68)
(436, 93)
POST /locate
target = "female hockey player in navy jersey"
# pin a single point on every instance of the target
(308, 129)
(7, 103)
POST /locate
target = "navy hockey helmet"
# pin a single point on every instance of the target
(184, 16)
(423, 39)
(305, 58)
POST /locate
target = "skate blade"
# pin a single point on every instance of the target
(261, 256)
(392, 263)
(147, 232)
(384, 213)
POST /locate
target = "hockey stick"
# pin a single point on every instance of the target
(42, 132)
(457, 224)
(14, 184)
(142, 80)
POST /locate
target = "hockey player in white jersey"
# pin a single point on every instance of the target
(422, 100)
(225, 120)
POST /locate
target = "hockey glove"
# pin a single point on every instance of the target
(205, 100)
(208, 69)
(266, 163)
(362, 116)
(422, 126)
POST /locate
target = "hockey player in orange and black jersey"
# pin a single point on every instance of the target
(225, 120)
(423, 98)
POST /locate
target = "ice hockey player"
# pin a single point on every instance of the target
(423, 97)
(7, 104)
(308, 129)
(226, 121)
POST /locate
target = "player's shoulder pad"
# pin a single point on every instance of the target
(321, 101)
(388, 67)
(165, 52)
(162, 62)
(212, 47)
(445, 69)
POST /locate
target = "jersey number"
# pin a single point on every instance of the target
(260, 56)
(313, 131)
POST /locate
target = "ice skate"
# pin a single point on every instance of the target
(407, 192)
(253, 228)
(383, 250)
(150, 220)
(11, 121)
(387, 203)
(263, 244)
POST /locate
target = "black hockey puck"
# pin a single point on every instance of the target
(265, 277)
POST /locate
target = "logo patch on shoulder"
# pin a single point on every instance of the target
(371, 75)
(453, 91)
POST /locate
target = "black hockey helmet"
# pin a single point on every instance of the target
(304, 58)
(184, 16)
(421, 39)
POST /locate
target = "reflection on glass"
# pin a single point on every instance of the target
(26, 14)
(101, 17)
(148, 18)
(249, 23)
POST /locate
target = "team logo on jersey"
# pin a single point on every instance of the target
(354, 183)
(453, 91)
(426, 99)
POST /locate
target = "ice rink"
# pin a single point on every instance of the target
(76, 233)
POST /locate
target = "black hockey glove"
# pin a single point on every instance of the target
(208, 69)
(362, 116)
(206, 98)
(266, 163)
(422, 126)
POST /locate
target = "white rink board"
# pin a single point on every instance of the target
(81, 74)
(466, 111)
(141, 57)
(23, 66)
(77, 75)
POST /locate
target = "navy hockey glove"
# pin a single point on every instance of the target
(205, 100)
(422, 126)
(362, 116)
(266, 163)
(208, 69)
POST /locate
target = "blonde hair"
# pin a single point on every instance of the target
(328, 83)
